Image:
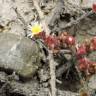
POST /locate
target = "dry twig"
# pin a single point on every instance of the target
(78, 20)
(50, 57)
(41, 16)
(52, 65)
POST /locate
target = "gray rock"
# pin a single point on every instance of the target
(85, 3)
(10, 20)
(2, 77)
(19, 54)
(92, 82)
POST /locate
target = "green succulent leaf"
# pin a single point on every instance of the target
(81, 1)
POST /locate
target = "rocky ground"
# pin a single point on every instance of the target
(21, 73)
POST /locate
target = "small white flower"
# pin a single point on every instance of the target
(34, 28)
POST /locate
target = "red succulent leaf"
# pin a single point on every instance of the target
(94, 64)
(86, 65)
(91, 69)
(41, 35)
(83, 64)
(51, 42)
(81, 50)
(93, 43)
(94, 7)
(70, 40)
(87, 45)
(62, 37)
(82, 67)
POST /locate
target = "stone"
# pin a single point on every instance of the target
(92, 82)
(10, 20)
(19, 54)
(84, 4)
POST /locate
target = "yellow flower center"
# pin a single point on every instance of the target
(36, 29)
